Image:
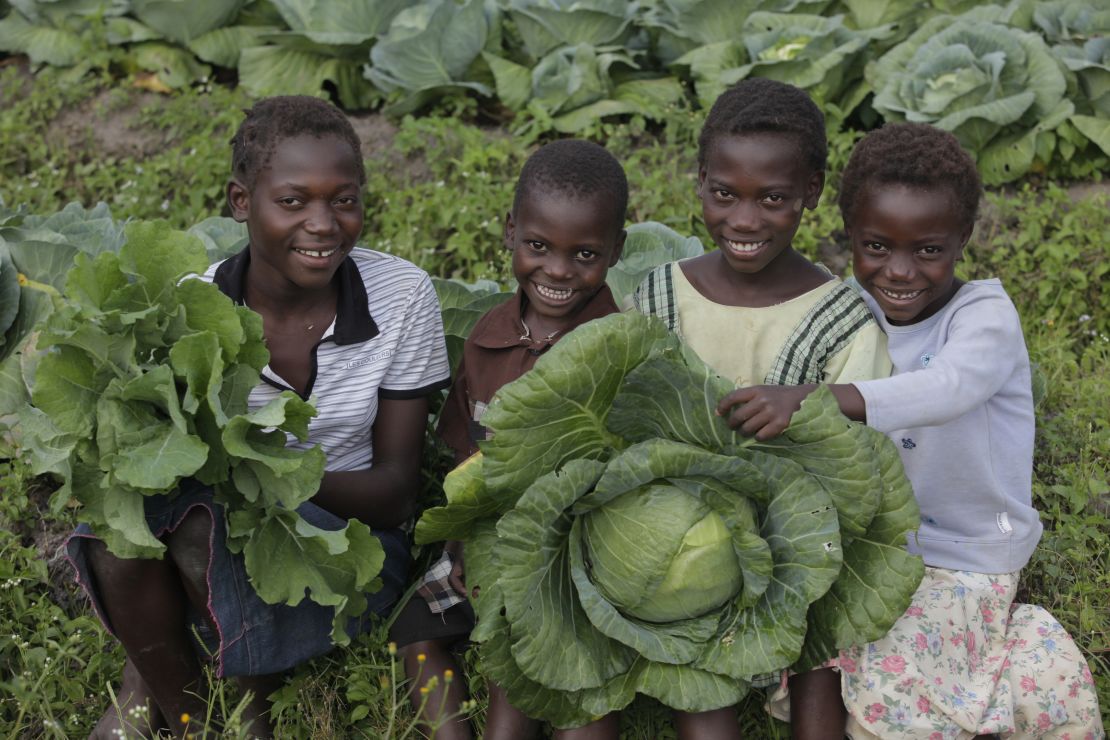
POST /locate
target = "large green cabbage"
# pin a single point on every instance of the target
(626, 541)
(995, 87)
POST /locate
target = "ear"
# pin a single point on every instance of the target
(509, 234)
(618, 248)
(702, 173)
(964, 239)
(814, 188)
(238, 200)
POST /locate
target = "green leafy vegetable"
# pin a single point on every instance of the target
(649, 244)
(430, 47)
(614, 514)
(998, 89)
(143, 381)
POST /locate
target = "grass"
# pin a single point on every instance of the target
(438, 197)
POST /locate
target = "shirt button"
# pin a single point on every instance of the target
(536, 352)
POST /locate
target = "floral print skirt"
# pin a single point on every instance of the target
(965, 660)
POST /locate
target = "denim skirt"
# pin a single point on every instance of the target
(251, 637)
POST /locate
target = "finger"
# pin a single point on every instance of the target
(738, 396)
(741, 414)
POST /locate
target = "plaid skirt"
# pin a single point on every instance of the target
(251, 637)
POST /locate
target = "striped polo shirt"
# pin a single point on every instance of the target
(386, 341)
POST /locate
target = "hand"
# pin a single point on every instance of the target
(456, 578)
(763, 411)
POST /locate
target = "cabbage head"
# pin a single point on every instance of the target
(993, 86)
(626, 541)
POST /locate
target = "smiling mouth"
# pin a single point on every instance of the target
(317, 253)
(900, 295)
(553, 294)
(746, 247)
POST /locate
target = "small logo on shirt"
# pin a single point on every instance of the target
(1003, 522)
(385, 354)
(926, 359)
(908, 444)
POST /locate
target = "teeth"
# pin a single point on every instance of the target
(745, 246)
(316, 252)
(900, 295)
(552, 294)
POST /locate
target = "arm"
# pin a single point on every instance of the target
(764, 411)
(981, 350)
(384, 495)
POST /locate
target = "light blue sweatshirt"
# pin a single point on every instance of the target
(960, 409)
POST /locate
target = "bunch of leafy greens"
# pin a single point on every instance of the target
(142, 382)
(613, 514)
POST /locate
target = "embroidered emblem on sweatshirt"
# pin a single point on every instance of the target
(908, 444)
(926, 359)
(1003, 522)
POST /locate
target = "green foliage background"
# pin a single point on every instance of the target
(437, 196)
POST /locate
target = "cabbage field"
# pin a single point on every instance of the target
(114, 128)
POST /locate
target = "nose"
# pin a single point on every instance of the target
(558, 268)
(744, 216)
(320, 219)
(900, 267)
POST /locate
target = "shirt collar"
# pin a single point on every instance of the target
(505, 327)
(353, 322)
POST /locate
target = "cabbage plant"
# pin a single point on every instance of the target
(574, 86)
(995, 87)
(680, 26)
(545, 25)
(818, 54)
(429, 48)
(625, 541)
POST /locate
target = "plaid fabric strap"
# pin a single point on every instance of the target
(655, 296)
(436, 589)
(826, 329)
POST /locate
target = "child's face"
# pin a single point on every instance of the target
(304, 212)
(905, 243)
(753, 188)
(562, 249)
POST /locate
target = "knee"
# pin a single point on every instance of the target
(190, 547)
(113, 573)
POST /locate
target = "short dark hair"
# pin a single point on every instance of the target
(759, 105)
(576, 168)
(914, 154)
(272, 120)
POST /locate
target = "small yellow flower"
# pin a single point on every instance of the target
(421, 658)
(392, 648)
(448, 675)
(184, 718)
(22, 279)
(424, 690)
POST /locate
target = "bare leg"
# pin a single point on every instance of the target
(440, 709)
(138, 712)
(145, 603)
(718, 724)
(256, 715)
(506, 722)
(189, 548)
(816, 709)
(606, 728)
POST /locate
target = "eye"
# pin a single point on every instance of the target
(586, 255)
(289, 201)
(874, 247)
(535, 245)
(931, 251)
(721, 194)
(347, 201)
(774, 198)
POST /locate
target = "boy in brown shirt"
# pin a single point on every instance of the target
(565, 230)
